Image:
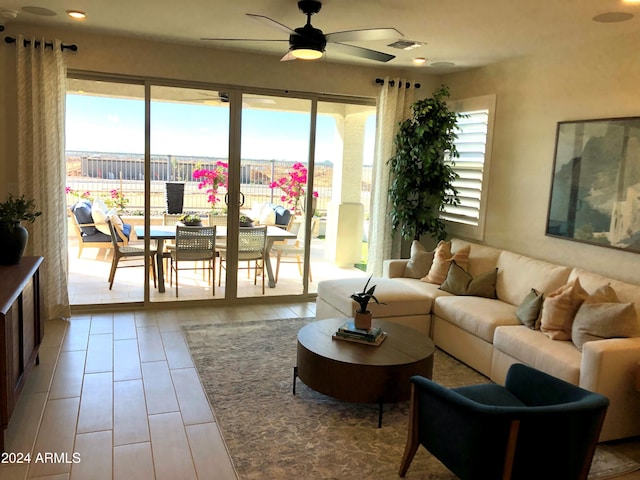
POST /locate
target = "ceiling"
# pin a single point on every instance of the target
(466, 33)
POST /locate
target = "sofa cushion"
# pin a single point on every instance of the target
(476, 315)
(442, 258)
(558, 358)
(602, 316)
(420, 261)
(518, 274)
(481, 257)
(460, 282)
(400, 298)
(559, 309)
(626, 292)
(528, 312)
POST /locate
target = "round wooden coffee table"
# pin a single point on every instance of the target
(362, 373)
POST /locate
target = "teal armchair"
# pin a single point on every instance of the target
(536, 426)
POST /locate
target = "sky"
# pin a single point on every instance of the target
(106, 124)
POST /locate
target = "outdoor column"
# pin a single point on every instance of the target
(345, 212)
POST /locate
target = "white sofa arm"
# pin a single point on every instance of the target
(609, 367)
(394, 268)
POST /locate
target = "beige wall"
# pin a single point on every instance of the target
(532, 95)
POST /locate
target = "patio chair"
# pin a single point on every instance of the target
(536, 426)
(252, 243)
(291, 251)
(194, 244)
(85, 229)
(122, 250)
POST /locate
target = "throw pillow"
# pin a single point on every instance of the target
(460, 282)
(602, 316)
(99, 214)
(528, 312)
(442, 258)
(82, 212)
(420, 261)
(560, 308)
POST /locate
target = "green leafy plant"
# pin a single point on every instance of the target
(363, 298)
(16, 210)
(421, 180)
(190, 218)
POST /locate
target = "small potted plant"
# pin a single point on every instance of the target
(245, 221)
(13, 236)
(190, 220)
(362, 316)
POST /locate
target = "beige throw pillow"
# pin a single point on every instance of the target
(420, 261)
(603, 316)
(559, 309)
(442, 259)
(460, 282)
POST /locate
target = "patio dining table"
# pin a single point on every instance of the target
(160, 233)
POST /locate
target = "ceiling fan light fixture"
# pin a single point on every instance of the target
(76, 14)
(306, 53)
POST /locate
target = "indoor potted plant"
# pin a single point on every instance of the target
(421, 177)
(13, 236)
(362, 316)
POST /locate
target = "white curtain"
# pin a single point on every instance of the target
(41, 85)
(394, 106)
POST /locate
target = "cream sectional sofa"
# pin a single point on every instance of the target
(485, 333)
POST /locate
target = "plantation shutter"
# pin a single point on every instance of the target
(472, 129)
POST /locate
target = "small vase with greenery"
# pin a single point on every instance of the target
(422, 177)
(13, 236)
(362, 317)
(191, 219)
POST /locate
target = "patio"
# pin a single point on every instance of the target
(88, 279)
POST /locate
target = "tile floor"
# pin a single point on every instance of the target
(116, 396)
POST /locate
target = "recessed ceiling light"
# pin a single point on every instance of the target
(419, 60)
(45, 12)
(76, 14)
(613, 17)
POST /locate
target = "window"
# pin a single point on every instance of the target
(474, 146)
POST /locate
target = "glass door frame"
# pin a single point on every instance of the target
(235, 112)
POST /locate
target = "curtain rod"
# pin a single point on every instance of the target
(63, 47)
(380, 81)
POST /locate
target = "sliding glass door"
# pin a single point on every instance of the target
(153, 152)
(189, 156)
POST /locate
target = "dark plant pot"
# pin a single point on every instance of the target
(190, 224)
(246, 224)
(174, 196)
(12, 244)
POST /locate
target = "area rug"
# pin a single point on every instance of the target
(246, 369)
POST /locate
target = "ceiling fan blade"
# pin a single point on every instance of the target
(242, 39)
(361, 52)
(363, 35)
(270, 22)
(288, 57)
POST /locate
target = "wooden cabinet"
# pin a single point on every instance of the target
(21, 331)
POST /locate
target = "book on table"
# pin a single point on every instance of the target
(358, 339)
(349, 332)
(350, 328)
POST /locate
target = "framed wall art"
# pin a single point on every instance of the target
(595, 194)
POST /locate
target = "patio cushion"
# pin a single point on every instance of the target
(82, 211)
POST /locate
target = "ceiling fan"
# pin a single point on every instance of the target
(309, 43)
